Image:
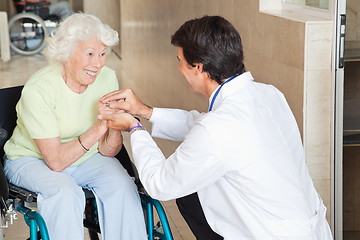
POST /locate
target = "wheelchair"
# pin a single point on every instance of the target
(29, 28)
(14, 199)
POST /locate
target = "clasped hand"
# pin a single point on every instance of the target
(118, 109)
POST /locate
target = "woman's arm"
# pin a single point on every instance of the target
(111, 143)
(59, 156)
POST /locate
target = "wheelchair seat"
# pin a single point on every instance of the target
(19, 196)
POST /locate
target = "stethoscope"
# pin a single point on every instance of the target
(217, 91)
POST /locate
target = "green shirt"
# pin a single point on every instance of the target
(48, 108)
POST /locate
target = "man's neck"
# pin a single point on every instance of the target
(211, 86)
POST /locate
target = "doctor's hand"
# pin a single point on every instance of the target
(127, 101)
(121, 121)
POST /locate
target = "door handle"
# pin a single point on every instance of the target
(342, 40)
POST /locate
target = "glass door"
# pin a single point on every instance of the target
(347, 122)
(337, 218)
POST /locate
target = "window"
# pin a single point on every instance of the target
(323, 4)
(301, 10)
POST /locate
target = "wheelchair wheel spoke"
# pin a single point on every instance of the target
(27, 33)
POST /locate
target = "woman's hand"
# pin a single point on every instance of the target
(111, 143)
(103, 109)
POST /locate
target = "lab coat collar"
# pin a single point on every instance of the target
(233, 85)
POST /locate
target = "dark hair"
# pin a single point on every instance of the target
(214, 42)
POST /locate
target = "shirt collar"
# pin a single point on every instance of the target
(235, 84)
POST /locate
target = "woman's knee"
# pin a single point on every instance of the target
(119, 188)
(123, 183)
(65, 189)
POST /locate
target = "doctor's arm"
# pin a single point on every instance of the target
(195, 164)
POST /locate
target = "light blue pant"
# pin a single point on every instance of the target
(61, 200)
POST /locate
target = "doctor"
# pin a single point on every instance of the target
(244, 158)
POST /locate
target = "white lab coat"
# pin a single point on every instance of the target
(244, 158)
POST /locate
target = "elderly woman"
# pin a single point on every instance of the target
(59, 147)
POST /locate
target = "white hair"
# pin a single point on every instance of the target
(75, 28)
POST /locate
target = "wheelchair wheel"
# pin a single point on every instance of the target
(27, 33)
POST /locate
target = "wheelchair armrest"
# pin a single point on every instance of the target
(21, 193)
(140, 187)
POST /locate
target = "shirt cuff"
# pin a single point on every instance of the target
(156, 114)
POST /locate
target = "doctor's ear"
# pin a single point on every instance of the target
(199, 67)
